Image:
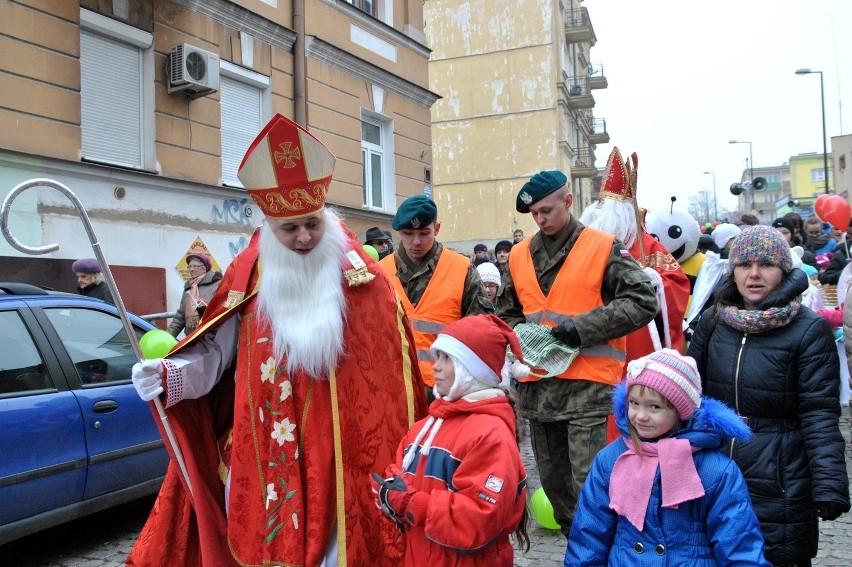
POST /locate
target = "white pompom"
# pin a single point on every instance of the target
(516, 370)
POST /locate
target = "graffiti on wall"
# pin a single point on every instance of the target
(234, 212)
(238, 246)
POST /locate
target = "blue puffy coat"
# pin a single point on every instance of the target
(718, 529)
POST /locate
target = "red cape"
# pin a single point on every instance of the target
(677, 290)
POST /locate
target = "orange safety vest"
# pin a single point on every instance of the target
(440, 305)
(577, 289)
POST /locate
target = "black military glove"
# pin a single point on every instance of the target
(793, 285)
(830, 510)
(392, 496)
(567, 333)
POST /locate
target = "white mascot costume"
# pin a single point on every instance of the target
(678, 231)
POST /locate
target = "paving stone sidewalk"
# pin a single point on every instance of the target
(548, 546)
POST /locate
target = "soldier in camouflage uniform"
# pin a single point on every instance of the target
(436, 285)
(568, 414)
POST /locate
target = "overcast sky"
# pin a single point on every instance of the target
(686, 76)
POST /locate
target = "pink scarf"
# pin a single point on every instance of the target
(633, 477)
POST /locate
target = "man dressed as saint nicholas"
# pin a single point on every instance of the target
(300, 380)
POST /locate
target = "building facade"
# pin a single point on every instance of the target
(144, 109)
(517, 96)
(841, 152)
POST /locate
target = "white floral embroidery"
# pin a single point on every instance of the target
(286, 390)
(283, 431)
(271, 495)
(295, 520)
(260, 414)
(267, 371)
(296, 454)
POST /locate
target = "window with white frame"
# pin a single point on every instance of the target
(116, 93)
(817, 175)
(244, 100)
(377, 159)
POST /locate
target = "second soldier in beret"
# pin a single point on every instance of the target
(435, 284)
(585, 286)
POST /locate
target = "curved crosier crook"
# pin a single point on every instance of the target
(119, 304)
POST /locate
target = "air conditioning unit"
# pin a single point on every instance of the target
(193, 71)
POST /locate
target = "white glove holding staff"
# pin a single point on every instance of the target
(148, 378)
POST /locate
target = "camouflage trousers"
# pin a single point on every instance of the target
(565, 449)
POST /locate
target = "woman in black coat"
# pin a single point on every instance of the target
(775, 362)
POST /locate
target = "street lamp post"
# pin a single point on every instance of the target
(750, 191)
(715, 204)
(807, 71)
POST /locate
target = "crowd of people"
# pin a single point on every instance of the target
(337, 409)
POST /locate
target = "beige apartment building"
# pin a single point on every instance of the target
(517, 84)
(145, 108)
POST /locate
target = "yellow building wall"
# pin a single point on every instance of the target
(801, 184)
(494, 64)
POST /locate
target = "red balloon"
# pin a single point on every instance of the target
(819, 206)
(837, 212)
(715, 223)
(702, 228)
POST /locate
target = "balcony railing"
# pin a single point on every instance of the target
(597, 79)
(597, 130)
(579, 94)
(584, 164)
(578, 26)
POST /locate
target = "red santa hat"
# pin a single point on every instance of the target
(479, 343)
(287, 171)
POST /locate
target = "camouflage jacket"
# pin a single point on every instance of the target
(415, 278)
(629, 304)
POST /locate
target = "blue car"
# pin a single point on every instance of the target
(75, 437)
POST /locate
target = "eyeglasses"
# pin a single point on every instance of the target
(191, 266)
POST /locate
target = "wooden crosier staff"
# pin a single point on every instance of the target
(119, 304)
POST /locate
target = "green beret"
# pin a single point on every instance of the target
(415, 212)
(539, 186)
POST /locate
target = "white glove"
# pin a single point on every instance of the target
(656, 280)
(148, 378)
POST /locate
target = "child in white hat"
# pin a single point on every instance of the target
(458, 488)
(666, 488)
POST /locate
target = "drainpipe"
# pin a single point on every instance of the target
(299, 105)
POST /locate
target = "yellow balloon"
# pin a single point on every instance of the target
(372, 251)
(542, 510)
(156, 343)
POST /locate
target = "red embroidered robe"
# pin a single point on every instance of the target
(298, 467)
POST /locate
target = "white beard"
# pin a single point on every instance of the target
(612, 216)
(301, 297)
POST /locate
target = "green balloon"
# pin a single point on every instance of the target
(372, 251)
(156, 343)
(542, 510)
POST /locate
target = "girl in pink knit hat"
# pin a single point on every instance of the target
(458, 487)
(666, 489)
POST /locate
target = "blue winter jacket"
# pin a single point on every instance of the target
(718, 529)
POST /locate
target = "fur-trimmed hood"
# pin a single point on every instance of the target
(712, 424)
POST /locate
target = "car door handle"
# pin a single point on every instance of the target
(105, 406)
